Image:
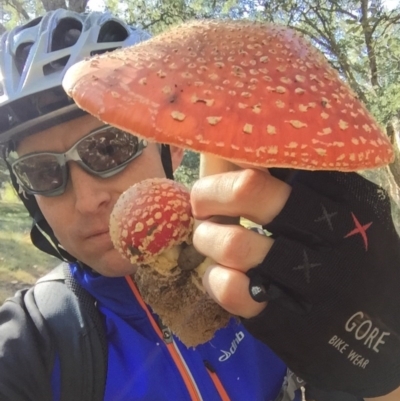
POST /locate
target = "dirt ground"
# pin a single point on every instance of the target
(9, 289)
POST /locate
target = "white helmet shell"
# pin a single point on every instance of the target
(34, 57)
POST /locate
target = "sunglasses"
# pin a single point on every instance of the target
(103, 153)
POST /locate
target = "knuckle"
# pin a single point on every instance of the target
(230, 298)
(235, 247)
(222, 284)
(196, 189)
(228, 301)
(249, 183)
(201, 196)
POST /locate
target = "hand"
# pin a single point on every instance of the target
(234, 248)
(331, 271)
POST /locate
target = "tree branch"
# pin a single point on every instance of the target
(2, 28)
(373, 66)
(18, 8)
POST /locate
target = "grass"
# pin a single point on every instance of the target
(21, 264)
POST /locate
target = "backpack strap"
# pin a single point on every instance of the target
(78, 333)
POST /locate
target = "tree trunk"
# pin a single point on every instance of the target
(53, 4)
(78, 6)
(367, 30)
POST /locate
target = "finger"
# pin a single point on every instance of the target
(250, 193)
(230, 289)
(231, 245)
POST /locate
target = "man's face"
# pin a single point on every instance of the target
(80, 216)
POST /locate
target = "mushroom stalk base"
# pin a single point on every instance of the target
(186, 309)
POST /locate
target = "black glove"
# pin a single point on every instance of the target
(332, 278)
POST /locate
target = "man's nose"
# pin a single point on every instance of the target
(89, 191)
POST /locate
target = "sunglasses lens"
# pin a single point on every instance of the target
(103, 152)
(107, 149)
(39, 173)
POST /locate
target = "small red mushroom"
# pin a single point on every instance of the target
(150, 224)
(150, 218)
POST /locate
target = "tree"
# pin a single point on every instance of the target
(17, 12)
(361, 38)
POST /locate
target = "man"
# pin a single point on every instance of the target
(70, 169)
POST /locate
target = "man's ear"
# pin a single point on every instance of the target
(176, 156)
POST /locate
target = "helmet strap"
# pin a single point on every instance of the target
(43, 238)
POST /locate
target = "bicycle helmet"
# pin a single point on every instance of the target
(33, 60)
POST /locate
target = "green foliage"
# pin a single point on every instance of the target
(361, 39)
(188, 171)
(8, 194)
(20, 262)
(153, 15)
(17, 12)
(4, 174)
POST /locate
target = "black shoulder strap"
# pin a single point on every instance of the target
(78, 332)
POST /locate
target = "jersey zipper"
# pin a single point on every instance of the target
(167, 337)
(217, 383)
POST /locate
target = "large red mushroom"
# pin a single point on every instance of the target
(243, 91)
(236, 91)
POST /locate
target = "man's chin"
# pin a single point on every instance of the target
(112, 264)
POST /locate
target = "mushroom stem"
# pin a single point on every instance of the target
(209, 165)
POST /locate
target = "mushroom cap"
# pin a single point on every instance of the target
(248, 92)
(149, 218)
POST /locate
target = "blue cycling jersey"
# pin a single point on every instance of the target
(140, 366)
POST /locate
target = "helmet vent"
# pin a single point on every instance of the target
(66, 34)
(112, 31)
(21, 55)
(55, 65)
(32, 23)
